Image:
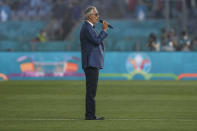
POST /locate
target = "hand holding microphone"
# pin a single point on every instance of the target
(105, 25)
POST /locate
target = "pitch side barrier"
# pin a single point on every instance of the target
(118, 66)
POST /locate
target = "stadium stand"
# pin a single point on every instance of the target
(16, 35)
(126, 36)
(27, 19)
(13, 30)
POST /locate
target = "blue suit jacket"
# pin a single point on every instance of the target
(92, 47)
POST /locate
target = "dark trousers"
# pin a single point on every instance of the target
(91, 87)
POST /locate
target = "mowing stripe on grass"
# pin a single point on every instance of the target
(109, 119)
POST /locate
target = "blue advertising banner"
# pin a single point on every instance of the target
(118, 66)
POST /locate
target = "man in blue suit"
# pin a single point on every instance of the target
(92, 53)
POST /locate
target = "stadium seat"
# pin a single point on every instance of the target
(127, 35)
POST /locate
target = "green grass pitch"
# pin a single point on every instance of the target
(126, 105)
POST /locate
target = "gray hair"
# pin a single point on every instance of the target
(88, 11)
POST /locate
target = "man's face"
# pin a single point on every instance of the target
(94, 17)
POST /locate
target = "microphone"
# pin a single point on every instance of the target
(101, 21)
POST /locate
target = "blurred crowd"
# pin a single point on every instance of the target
(63, 15)
(36, 9)
(171, 41)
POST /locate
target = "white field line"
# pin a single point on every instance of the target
(107, 119)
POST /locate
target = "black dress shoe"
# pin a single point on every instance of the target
(95, 118)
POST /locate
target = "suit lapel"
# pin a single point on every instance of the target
(93, 28)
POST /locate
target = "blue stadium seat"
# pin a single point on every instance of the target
(21, 29)
(127, 35)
